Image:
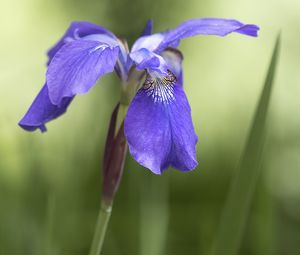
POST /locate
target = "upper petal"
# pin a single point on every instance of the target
(174, 58)
(149, 42)
(77, 66)
(76, 30)
(204, 26)
(148, 28)
(159, 128)
(42, 111)
(145, 59)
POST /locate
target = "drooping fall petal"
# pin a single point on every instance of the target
(159, 128)
(77, 66)
(42, 111)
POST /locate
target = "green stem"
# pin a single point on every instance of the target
(102, 222)
(113, 166)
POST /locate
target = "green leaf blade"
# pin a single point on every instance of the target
(240, 195)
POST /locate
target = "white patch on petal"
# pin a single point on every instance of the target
(149, 42)
(160, 88)
(100, 47)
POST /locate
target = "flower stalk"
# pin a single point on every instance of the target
(113, 166)
(100, 231)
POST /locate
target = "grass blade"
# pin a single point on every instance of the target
(238, 202)
(154, 215)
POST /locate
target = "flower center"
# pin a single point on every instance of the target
(160, 88)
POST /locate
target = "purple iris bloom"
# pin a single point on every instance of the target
(158, 124)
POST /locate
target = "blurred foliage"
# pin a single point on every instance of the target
(50, 183)
(243, 184)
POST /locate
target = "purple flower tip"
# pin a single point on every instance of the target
(251, 30)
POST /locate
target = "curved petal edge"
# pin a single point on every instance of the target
(161, 133)
(42, 111)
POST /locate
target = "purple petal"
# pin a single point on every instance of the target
(101, 38)
(174, 58)
(77, 66)
(76, 30)
(145, 59)
(148, 28)
(250, 30)
(160, 133)
(149, 42)
(42, 111)
(205, 26)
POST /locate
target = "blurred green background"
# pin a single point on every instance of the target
(50, 183)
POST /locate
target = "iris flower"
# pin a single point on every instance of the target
(158, 125)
